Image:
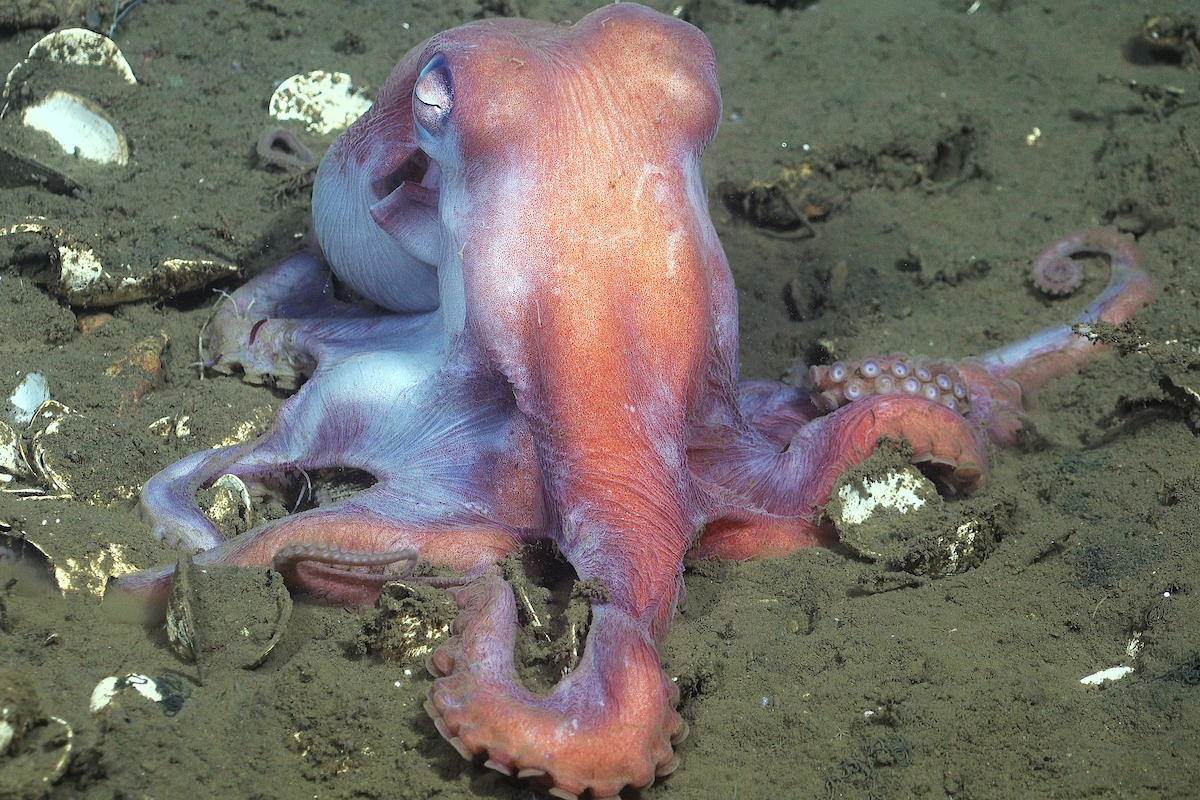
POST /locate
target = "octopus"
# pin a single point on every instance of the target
(518, 321)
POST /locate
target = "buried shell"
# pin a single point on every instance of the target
(78, 46)
(75, 46)
(77, 276)
(229, 506)
(47, 423)
(897, 519)
(25, 456)
(226, 617)
(34, 749)
(68, 554)
(12, 463)
(410, 621)
(181, 622)
(84, 268)
(80, 127)
(60, 540)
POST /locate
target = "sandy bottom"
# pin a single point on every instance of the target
(939, 144)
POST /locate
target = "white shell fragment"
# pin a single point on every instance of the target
(27, 398)
(326, 102)
(1110, 674)
(111, 686)
(78, 46)
(900, 492)
(79, 127)
(11, 461)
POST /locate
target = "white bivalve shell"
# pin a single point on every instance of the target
(79, 126)
(78, 46)
(75, 46)
(326, 102)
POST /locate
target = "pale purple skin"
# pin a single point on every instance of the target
(432, 391)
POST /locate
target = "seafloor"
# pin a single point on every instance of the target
(934, 147)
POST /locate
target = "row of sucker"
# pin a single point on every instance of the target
(343, 557)
(843, 382)
(336, 557)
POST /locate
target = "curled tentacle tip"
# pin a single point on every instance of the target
(1058, 277)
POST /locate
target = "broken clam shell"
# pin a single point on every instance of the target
(167, 691)
(410, 621)
(230, 506)
(326, 102)
(864, 510)
(45, 463)
(79, 126)
(23, 456)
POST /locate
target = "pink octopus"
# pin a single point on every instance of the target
(550, 351)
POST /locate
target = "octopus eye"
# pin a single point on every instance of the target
(433, 96)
